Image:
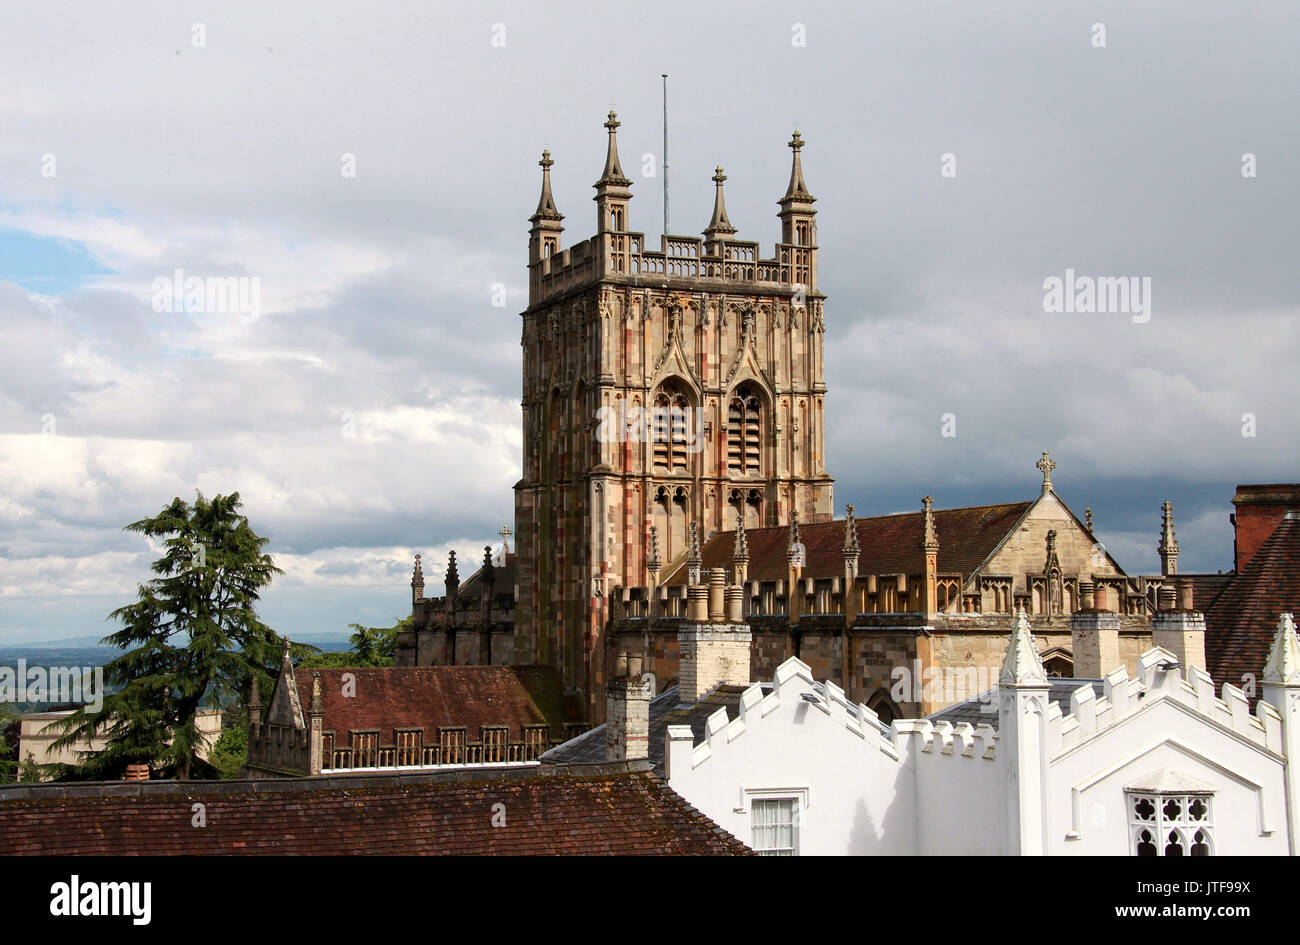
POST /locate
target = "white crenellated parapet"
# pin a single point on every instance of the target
(945, 739)
(793, 680)
(1160, 677)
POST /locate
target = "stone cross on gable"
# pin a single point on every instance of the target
(505, 534)
(1046, 465)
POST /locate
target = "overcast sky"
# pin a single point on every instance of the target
(371, 410)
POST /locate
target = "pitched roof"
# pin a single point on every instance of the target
(665, 709)
(503, 580)
(890, 544)
(404, 697)
(1241, 622)
(608, 810)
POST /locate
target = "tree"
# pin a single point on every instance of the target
(193, 630)
(371, 646)
(8, 746)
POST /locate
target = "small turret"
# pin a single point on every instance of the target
(544, 237)
(417, 581)
(612, 190)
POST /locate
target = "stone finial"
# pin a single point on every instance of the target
(794, 533)
(1168, 546)
(1022, 665)
(317, 706)
(1087, 519)
(694, 553)
(1046, 465)
(505, 534)
(417, 579)
(546, 209)
(489, 570)
(653, 563)
(719, 224)
(741, 550)
(254, 696)
(453, 576)
(851, 549)
(929, 534)
(1283, 664)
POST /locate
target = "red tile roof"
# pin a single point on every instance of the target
(609, 810)
(404, 697)
(890, 544)
(1240, 624)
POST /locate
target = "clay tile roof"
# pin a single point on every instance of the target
(403, 697)
(615, 810)
(890, 544)
(1240, 624)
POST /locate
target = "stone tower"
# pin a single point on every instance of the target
(660, 388)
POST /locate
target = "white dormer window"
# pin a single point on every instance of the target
(1170, 815)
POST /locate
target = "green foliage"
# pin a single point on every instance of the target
(230, 753)
(371, 646)
(8, 751)
(193, 630)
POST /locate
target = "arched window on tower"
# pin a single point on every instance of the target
(744, 433)
(670, 430)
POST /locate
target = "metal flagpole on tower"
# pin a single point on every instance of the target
(664, 76)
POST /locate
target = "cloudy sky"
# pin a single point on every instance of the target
(370, 409)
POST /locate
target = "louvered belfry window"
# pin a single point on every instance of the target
(669, 430)
(744, 433)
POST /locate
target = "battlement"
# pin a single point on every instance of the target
(732, 263)
(793, 681)
(1123, 696)
(943, 739)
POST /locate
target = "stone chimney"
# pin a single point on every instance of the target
(1094, 635)
(627, 711)
(1181, 629)
(714, 644)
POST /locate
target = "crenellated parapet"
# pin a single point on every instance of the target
(1160, 677)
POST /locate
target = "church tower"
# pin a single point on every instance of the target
(660, 388)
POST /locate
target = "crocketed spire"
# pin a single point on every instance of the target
(1022, 665)
(929, 534)
(719, 225)
(546, 209)
(741, 551)
(613, 173)
(798, 190)
(850, 533)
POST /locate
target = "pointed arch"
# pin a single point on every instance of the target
(747, 417)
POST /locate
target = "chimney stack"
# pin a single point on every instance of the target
(715, 643)
(627, 711)
(1180, 630)
(1094, 635)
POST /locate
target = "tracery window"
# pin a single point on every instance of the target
(1163, 824)
(744, 433)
